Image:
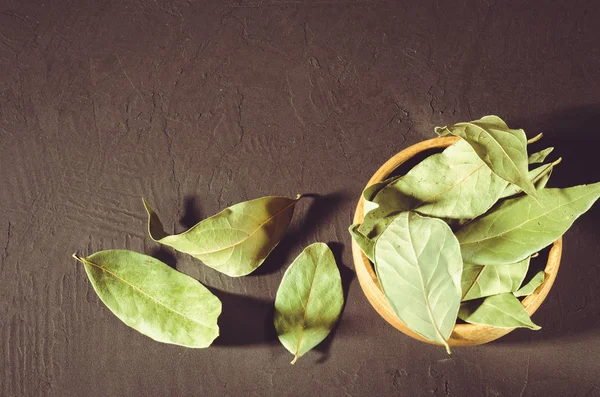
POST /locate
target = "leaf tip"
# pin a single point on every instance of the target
(146, 205)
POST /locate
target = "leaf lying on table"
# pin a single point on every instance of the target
(521, 226)
(309, 300)
(502, 311)
(419, 267)
(480, 281)
(539, 177)
(531, 286)
(453, 184)
(503, 149)
(236, 240)
(540, 156)
(154, 299)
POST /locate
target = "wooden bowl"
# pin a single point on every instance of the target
(463, 334)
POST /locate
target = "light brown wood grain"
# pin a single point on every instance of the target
(463, 334)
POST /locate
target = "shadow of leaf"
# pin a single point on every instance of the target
(192, 212)
(244, 320)
(347, 275)
(165, 255)
(321, 210)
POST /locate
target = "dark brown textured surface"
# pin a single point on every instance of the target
(198, 105)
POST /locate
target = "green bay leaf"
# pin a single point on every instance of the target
(502, 311)
(419, 268)
(366, 233)
(539, 177)
(530, 287)
(153, 298)
(522, 226)
(540, 156)
(366, 244)
(370, 192)
(503, 149)
(454, 184)
(236, 240)
(480, 281)
(309, 300)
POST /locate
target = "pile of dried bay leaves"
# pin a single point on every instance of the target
(453, 237)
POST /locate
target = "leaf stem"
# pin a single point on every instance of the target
(447, 346)
(557, 161)
(294, 360)
(535, 138)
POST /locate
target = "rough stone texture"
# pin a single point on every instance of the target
(197, 105)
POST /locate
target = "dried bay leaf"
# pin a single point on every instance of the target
(419, 268)
(503, 149)
(521, 226)
(236, 240)
(480, 281)
(454, 184)
(531, 286)
(542, 180)
(366, 233)
(154, 299)
(309, 300)
(366, 244)
(539, 177)
(447, 185)
(540, 156)
(502, 311)
(371, 191)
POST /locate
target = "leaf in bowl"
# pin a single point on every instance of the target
(366, 244)
(531, 286)
(419, 266)
(370, 192)
(309, 300)
(539, 157)
(521, 226)
(480, 281)
(453, 184)
(539, 177)
(503, 149)
(154, 299)
(236, 240)
(502, 311)
(366, 233)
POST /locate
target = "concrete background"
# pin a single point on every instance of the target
(197, 105)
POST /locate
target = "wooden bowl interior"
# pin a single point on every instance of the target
(463, 334)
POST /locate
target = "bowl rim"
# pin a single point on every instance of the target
(461, 335)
